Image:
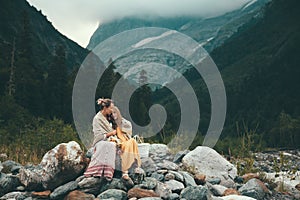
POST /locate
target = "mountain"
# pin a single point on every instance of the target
(209, 32)
(36, 60)
(43, 35)
(259, 65)
(201, 29)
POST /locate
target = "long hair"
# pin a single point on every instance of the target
(119, 116)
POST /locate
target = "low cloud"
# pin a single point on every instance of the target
(81, 17)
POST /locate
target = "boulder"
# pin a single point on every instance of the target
(160, 152)
(168, 165)
(10, 166)
(114, 194)
(175, 186)
(162, 190)
(254, 188)
(60, 165)
(205, 160)
(149, 183)
(14, 195)
(178, 156)
(188, 179)
(149, 166)
(8, 183)
(63, 190)
(195, 193)
(91, 185)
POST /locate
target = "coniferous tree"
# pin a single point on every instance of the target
(141, 100)
(28, 76)
(107, 82)
(57, 85)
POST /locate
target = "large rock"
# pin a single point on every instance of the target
(113, 194)
(149, 166)
(11, 166)
(163, 191)
(60, 165)
(8, 183)
(254, 188)
(175, 186)
(205, 160)
(91, 185)
(195, 193)
(160, 152)
(63, 190)
(14, 195)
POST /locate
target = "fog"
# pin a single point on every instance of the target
(78, 19)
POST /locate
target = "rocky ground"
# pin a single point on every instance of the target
(201, 174)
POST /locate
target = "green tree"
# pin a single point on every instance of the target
(28, 76)
(56, 84)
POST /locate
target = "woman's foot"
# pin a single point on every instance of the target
(127, 180)
(125, 176)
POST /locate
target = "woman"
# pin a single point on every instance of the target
(103, 159)
(129, 147)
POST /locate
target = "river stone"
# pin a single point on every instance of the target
(113, 193)
(205, 160)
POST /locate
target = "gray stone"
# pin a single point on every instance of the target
(217, 190)
(178, 176)
(253, 188)
(236, 197)
(114, 184)
(175, 186)
(113, 193)
(160, 150)
(61, 191)
(178, 157)
(169, 176)
(91, 185)
(138, 175)
(228, 183)
(15, 196)
(188, 179)
(148, 165)
(150, 198)
(149, 183)
(214, 181)
(9, 165)
(195, 193)
(174, 196)
(8, 183)
(1, 166)
(20, 188)
(205, 160)
(157, 176)
(162, 190)
(168, 165)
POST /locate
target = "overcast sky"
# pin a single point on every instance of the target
(78, 19)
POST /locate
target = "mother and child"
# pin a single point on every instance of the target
(112, 133)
